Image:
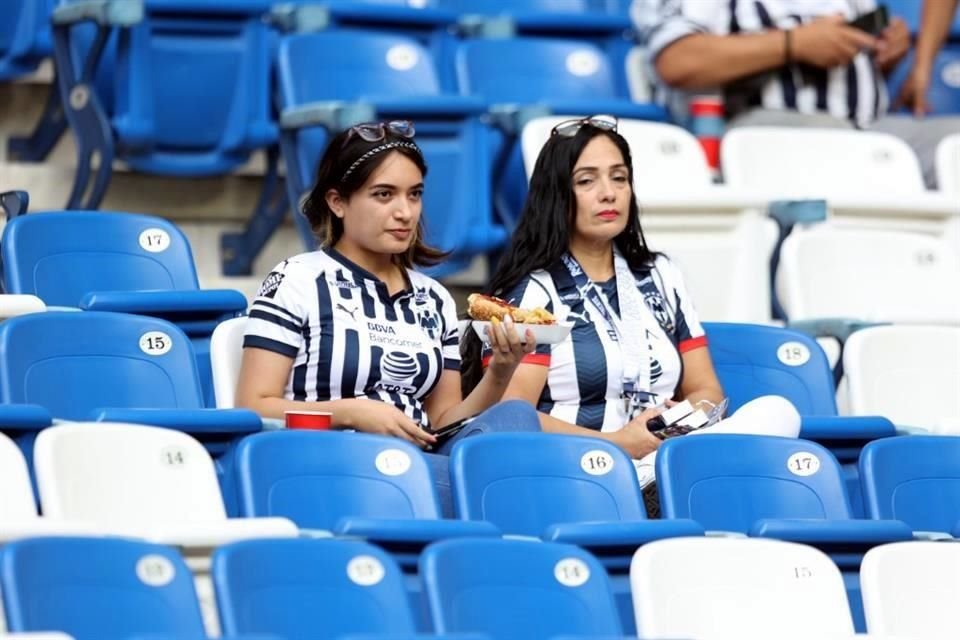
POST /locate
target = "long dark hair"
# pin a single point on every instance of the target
(346, 166)
(542, 235)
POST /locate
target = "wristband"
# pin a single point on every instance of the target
(787, 47)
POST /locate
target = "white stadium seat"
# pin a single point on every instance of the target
(910, 590)
(749, 589)
(910, 374)
(12, 304)
(948, 164)
(226, 353)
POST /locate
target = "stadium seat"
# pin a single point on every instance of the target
(721, 242)
(563, 17)
(908, 373)
(575, 490)
(791, 162)
(831, 272)
(909, 590)
(307, 589)
(114, 367)
(149, 482)
(943, 94)
(915, 479)
(753, 361)
(98, 589)
(517, 589)
(911, 11)
(161, 120)
(770, 487)
(226, 354)
(355, 484)
(380, 76)
(12, 305)
(116, 262)
(948, 164)
(24, 37)
(714, 588)
(527, 77)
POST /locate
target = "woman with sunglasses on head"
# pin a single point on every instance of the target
(636, 345)
(353, 328)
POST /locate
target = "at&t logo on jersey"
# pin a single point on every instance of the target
(398, 369)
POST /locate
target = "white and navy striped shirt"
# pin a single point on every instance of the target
(349, 338)
(584, 380)
(854, 92)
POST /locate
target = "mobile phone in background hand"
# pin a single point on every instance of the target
(445, 433)
(872, 22)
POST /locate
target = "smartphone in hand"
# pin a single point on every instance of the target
(872, 22)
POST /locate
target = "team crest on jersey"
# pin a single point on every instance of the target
(658, 306)
(397, 372)
(270, 285)
(426, 314)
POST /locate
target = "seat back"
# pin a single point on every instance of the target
(948, 164)
(728, 482)
(16, 493)
(665, 156)
(558, 479)
(73, 363)
(517, 589)
(914, 479)
(890, 368)
(737, 588)
(206, 121)
(13, 304)
(909, 588)
(61, 256)
(796, 162)
(119, 474)
(226, 355)
(315, 479)
(309, 589)
(24, 36)
(754, 360)
(528, 70)
(829, 272)
(98, 588)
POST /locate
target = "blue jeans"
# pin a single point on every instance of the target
(509, 416)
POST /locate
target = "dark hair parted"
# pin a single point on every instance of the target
(546, 223)
(346, 165)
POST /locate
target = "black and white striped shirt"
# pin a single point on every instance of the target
(349, 337)
(854, 92)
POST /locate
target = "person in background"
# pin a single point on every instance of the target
(934, 27)
(785, 63)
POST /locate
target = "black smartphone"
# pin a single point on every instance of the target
(446, 432)
(872, 22)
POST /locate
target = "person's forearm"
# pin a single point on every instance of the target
(274, 408)
(487, 393)
(712, 394)
(704, 61)
(934, 27)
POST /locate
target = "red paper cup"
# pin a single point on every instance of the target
(315, 420)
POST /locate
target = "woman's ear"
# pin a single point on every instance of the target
(335, 202)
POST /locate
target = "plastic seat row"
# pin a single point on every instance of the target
(297, 589)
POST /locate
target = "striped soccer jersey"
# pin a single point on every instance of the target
(349, 338)
(584, 378)
(855, 92)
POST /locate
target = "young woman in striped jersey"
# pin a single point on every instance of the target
(354, 328)
(636, 343)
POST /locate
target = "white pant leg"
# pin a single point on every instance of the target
(763, 416)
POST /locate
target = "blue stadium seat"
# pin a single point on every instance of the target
(307, 589)
(333, 79)
(98, 589)
(558, 17)
(517, 589)
(116, 367)
(24, 36)
(771, 487)
(915, 479)
(755, 360)
(162, 120)
(526, 77)
(116, 262)
(911, 10)
(576, 490)
(943, 96)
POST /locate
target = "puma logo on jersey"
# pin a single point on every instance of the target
(350, 312)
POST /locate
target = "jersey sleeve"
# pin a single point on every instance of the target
(688, 331)
(660, 23)
(278, 315)
(528, 294)
(450, 338)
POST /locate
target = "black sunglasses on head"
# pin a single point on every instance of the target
(569, 128)
(377, 131)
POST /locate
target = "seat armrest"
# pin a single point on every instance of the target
(118, 13)
(196, 422)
